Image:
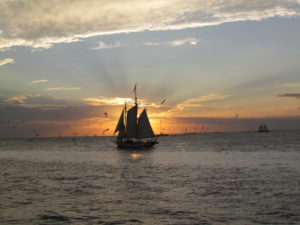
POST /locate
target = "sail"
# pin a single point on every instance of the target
(144, 129)
(131, 122)
(120, 126)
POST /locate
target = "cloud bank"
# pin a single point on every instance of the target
(297, 96)
(108, 101)
(62, 88)
(18, 99)
(6, 61)
(38, 81)
(40, 24)
(102, 45)
(199, 101)
(175, 43)
(118, 101)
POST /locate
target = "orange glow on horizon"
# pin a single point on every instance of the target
(163, 120)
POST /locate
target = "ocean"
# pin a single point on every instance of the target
(207, 178)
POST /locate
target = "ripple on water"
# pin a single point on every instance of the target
(202, 179)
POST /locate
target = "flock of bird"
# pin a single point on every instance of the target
(35, 134)
(8, 124)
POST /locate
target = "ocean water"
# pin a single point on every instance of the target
(217, 178)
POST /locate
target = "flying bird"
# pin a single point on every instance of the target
(105, 131)
(163, 101)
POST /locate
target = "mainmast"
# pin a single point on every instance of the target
(135, 98)
(136, 105)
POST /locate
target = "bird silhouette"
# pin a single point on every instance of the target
(107, 129)
(163, 101)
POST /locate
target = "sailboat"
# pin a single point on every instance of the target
(263, 128)
(133, 131)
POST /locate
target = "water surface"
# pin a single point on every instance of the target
(221, 178)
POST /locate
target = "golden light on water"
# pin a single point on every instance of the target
(136, 155)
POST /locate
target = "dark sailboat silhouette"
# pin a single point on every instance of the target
(134, 132)
(263, 128)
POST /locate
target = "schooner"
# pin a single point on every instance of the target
(134, 131)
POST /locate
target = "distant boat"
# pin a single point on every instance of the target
(134, 132)
(263, 128)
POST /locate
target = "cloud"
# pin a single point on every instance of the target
(59, 113)
(191, 41)
(62, 88)
(199, 101)
(297, 96)
(175, 43)
(119, 101)
(152, 43)
(108, 101)
(212, 124)
(292, 84)
(36, 100)
(6, 61)
(102, 45)
(18, 99)
(43, 43)
(45, 101)
(40, 24)
(38, 81)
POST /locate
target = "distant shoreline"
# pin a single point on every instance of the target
(175, 134)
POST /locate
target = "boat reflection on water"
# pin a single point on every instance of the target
(135, 155)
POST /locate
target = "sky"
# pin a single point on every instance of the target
(221, 66)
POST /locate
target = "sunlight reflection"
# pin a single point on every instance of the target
(135, 155)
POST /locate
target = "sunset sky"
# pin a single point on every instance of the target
(220, 65)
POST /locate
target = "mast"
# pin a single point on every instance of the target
(125, 115)
(131, 120)
(135, 98)
(136, 104)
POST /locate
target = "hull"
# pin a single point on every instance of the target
(263, 131)
(128, 144)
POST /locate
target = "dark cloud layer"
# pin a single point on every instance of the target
(242, 124)
(54, 113)
(297, 96)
